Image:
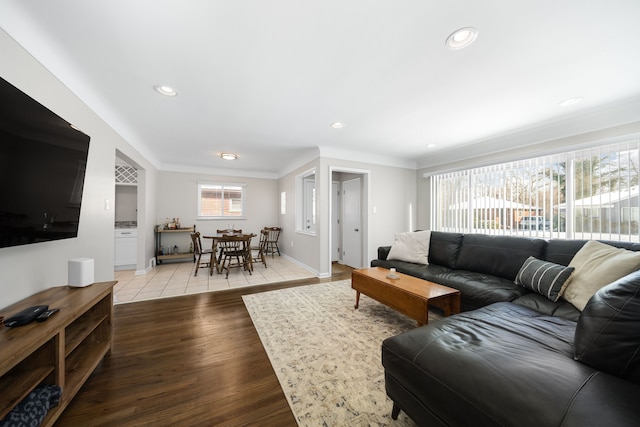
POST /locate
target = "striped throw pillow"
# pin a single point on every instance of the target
(543, 277)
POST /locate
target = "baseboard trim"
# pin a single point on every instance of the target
(306, 267)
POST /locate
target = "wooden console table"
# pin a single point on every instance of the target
(64, 350)
(171, 256)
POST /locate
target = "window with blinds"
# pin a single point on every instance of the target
(586, 194)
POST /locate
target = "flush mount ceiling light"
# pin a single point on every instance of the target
(165, 90)
(571, 101)
(229, 156)
(337, 125)
(431, 145)
(462, 38)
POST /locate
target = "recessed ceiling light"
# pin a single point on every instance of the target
(431, 145)
(337, 125)
(229, 156)
(462, 38)
(165, 90)
(571, 101)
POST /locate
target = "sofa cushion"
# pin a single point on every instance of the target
(607, 334)
(411, 247)
(543, 277)
(560, 308)
(478, 289)
(632, 246)
(444, 248)
(561, 251)
(596, 265)
(429, 272)
(500, 256)
(383, 252)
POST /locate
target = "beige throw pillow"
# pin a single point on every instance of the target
(596, 265)
(411, 247)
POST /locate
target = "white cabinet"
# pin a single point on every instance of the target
(126, 247)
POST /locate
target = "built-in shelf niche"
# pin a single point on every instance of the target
(126, 175)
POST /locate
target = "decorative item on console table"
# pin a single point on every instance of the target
(171, 224)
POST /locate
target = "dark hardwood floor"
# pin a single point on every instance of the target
(193, 360)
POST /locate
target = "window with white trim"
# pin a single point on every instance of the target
(217, 200)
(585, 194)
(306, 202)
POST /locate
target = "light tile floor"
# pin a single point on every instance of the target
(177, 278)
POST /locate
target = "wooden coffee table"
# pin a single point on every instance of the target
(407, 294)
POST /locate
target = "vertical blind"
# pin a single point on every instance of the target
(586, 194)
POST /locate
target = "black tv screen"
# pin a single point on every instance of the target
(42, 167)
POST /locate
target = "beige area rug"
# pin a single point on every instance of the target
(326, 354)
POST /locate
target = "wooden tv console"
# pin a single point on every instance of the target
(63, 350)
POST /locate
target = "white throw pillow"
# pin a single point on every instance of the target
(411, 247)
(596, 265)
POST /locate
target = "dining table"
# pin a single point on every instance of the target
(218, 252)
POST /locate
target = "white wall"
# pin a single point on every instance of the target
(177, 197)
(392, 195)
(303, 248)
(391, 190)
(27, 269)
(423, 201)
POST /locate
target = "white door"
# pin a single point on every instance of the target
(335, 221)
(352, 223)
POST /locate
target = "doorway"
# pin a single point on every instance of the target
(335, 222)
(129, 214)
(352, 223)
(349, 221)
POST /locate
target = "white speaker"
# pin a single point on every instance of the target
(80, 272)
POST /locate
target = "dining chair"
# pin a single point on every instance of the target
(227, 245)
(198, 252)
(240, 257)
(260, 249)
(272, 240)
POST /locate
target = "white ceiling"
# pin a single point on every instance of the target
(266, 78)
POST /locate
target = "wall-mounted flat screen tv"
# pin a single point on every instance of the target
(43, 160)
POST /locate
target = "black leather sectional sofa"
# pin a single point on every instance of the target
(514, 357)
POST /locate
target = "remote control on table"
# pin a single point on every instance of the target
(25, 316)
(46, 314)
